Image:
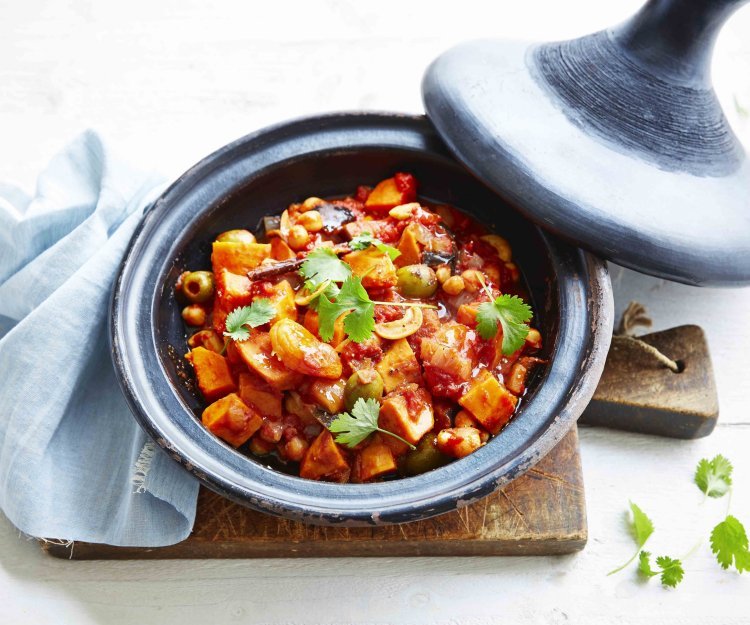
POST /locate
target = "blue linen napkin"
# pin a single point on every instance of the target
(74, 464)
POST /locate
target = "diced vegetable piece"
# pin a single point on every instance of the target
(374, 267)
(299, 350)
(324, 460)
(490, 402)
(253, 391)
(232, 291)
(232, 420)
(212, 371)
(467, 314)
(407, 412)
(257, 354)
(516, 381)
(311, 322)
(283, 300)
(280, 250)
(458, 442)
(238, 257)
(379, 228)
(375, 460)
(391, 192)
(328, 394)
(408, 245)
(448, 358)
(399, 365)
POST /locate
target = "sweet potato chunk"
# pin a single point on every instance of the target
(237, 257)
(232, 420)
(254, 392)
(374, 267)
(401, 189)
(212, 371)
(232, 291)
(256, 352)
(408, 245)
(407, 412)
(328, 394)
(375, 460)
(399, 366)
(490, 402)
(312, 323)
(324, 460)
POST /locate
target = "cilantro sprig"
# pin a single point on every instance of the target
(714, 477)
(728, 540)
(365, 240)
(352, 429)
(641, 527)
(352, 298)
(509, 312)
(256, 314)
(670, 570)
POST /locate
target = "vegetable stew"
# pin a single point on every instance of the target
(357, 339)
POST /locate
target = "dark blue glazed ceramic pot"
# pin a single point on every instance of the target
(330, 155)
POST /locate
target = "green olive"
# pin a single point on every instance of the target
(236, 236)
(363, 384)
(417, 281)
(198, 286)
(425, 457)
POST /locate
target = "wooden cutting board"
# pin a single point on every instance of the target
(542, 512)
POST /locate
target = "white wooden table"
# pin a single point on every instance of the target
(168, 82)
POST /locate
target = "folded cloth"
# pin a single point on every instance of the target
(74, 464)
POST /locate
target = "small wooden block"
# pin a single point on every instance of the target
(542, 512)
(638, 394)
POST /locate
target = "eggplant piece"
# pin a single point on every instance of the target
(334, 216)
(268, 224)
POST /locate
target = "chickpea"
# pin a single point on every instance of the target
(259, 447)
(194, 315)
(236, 236)
(453, 285)
(295, 449)
(473, 280)
(310, 203)
(443, 273)
(198, 286)
(458, 442)
(464, 420)
(534, 338)
(298, 237)
(311, 221)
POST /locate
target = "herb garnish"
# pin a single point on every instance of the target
(352, 429)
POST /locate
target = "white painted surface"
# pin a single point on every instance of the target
(168, 82)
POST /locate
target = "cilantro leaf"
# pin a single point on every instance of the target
(323, 264)
(512, 313)
(714, 477)
(352, 429)
(353, 298)
(365, 240)
(641, 527)
(729, 542)
(259, 312)
(670, 569)
(331, 291)
(644, 564)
